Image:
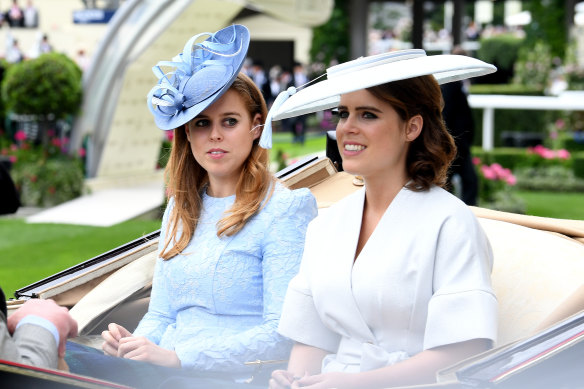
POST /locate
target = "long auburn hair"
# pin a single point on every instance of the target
(186, 180)
(430, 154)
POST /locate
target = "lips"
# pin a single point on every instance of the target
(216, 151)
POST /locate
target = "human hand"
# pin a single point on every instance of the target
(51, 311)
(283, 379)
(112, 337)
(139, 348)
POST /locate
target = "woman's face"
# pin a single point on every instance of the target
(372, 139)
(221, 140)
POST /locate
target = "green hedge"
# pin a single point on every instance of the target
(501, 51)
(578, 164)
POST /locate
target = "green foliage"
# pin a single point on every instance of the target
(497, 187)
(578, 164)
(553, 178)
(330, 41)
(49, 84)
(48, 182)
(505, 89)
(43, 174)
(502, 51)
(533, 66)
(548, 25)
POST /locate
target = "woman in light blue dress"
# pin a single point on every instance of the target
(232, 236)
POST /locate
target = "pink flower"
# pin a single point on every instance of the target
(51, 132)
(560, 124)
(488, 172)
(476, 161)
(4, 152)
(13, 147)
(169, 135)
(56, 142)
(563, 154)
(548, 154)
(20, 135)
(13, 158)
(81, 152)
(511, 180)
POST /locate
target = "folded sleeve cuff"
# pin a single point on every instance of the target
(458, 317)
(301, 322)
(41, 322)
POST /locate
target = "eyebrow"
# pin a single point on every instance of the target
(201, 116)
(361, 108)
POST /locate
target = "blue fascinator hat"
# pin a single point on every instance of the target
(202, 73)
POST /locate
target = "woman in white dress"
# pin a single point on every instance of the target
(394, 283)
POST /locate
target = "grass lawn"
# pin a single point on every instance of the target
(554, 204)
(31, 252)
(315, 142)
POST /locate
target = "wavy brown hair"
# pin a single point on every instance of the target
(186, 180)
(430, 154)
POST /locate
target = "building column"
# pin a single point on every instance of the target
(358, 11)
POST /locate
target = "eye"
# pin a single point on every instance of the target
(369, 115)
(342, 114)
(202, 123)
(230, 122)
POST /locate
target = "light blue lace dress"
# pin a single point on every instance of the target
(218, 304)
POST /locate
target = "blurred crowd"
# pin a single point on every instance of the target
(17, 16)
(274, 80)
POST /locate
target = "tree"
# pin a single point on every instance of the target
(331, 41)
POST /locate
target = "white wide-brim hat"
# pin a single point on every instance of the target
(369, 71)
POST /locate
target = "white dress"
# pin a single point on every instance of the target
(421, 281)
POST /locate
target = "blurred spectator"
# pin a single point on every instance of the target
(45, 46)
(258, 75)
(15, 15)
(9, 198)
(298, 123)
(13, 53)
(472, 32)
(275, 85)
(31, 15)
(82, 59)
(458, 118)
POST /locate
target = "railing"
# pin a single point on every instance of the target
(567, 101)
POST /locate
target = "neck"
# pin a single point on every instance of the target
(218, 188)
(380, 191)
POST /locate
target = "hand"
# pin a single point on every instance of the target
(112, 337)
(140, 348)
(51, 311)
(328, 381)
(281, 379)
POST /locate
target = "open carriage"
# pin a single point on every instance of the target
(538, 279)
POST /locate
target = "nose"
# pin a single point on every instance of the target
(348, 124)
(215, 134)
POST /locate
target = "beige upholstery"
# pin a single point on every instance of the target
(534, 272)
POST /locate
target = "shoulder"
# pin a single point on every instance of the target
(283, 200)
(444, 213)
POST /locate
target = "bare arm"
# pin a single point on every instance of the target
(419, 369)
